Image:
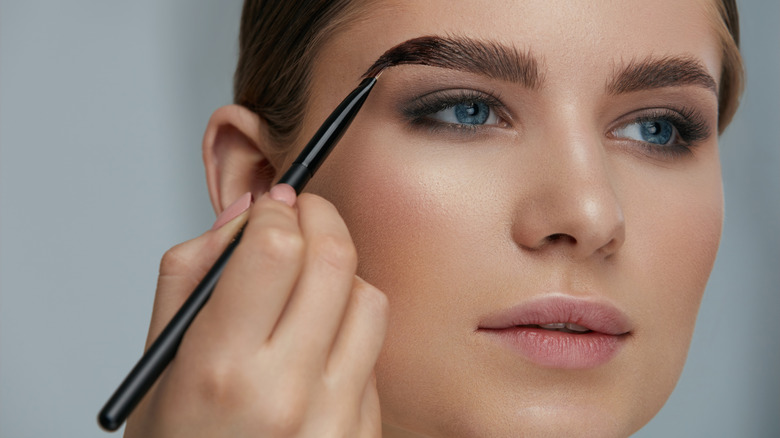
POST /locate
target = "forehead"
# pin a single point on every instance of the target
(566, 36)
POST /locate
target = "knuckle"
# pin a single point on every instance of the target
(286, 420)
(231, 390)
(224, 385)
(175, 261)
(287, 412)
(279, 246)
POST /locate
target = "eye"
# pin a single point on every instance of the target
(461, 110)
(666, 133)
(467, 113)
(656, 131)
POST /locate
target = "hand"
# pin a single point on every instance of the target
(286, 345)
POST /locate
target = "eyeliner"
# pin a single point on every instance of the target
(161, 352)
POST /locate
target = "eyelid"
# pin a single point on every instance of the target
(691, 127)
(417, 110)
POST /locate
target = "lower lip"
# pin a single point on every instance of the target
(555, 349)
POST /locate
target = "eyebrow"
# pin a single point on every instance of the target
(504, 62)
(487, 58)
(651, 73)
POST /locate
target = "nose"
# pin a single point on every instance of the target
(569, 203)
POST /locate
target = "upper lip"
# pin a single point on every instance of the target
(595, 314)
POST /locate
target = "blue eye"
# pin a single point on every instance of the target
(461, 110)
(467, 113)
(655, 131)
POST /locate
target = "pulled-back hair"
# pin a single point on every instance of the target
(732, 77)
(278, 43)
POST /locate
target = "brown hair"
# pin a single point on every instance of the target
(279, 41)
(732, 78)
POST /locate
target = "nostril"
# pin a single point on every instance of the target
(559, 236)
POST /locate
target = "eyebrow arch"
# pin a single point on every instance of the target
(487, 58)
(652, 73)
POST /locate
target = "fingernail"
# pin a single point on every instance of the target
(284, 193)
(236, 208)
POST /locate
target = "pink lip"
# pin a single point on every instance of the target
(513, 329)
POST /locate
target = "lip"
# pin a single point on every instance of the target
(514, 329)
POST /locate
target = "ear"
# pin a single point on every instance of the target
(236, 151)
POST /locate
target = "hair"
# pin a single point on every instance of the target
(732, 77)
(279, 42)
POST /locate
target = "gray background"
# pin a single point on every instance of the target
(102, 108)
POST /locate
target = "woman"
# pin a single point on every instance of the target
(512, 239)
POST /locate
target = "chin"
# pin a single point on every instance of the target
(553, 415)
(574, 421)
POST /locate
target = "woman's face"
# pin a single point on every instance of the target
(583, 188)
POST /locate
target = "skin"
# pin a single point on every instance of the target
(452, 227)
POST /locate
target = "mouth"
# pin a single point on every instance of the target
(565, 327)
(560, 331)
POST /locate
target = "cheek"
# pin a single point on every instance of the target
(673, 233)
(386, 206)
(405, 208)
(676, 241)
(411, 216)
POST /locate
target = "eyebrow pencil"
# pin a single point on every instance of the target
(161, 352)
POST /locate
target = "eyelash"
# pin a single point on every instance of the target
(420, 110)
(690, 126)
(688, 123)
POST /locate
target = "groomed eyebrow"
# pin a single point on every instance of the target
(487, 58)
(651, 73)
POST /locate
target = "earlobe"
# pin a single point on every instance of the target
(236, 155)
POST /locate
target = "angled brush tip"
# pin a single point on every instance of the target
(376, 70)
